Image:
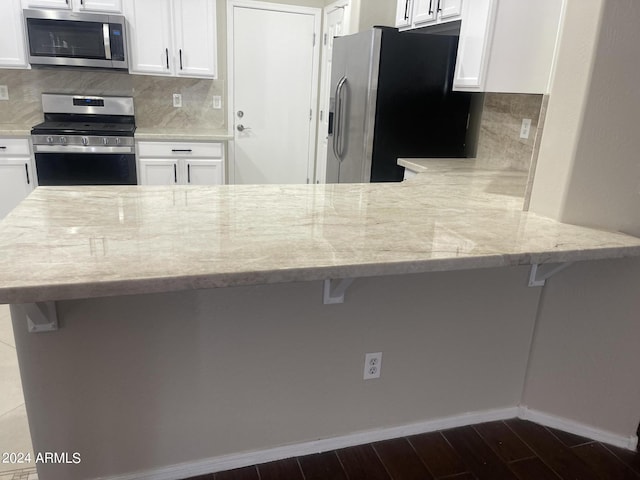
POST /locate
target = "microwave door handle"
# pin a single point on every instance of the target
(107, 41)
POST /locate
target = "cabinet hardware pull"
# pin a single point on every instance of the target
(3, 148)
(175, 173)
(26, 169)
(406, 10)
(166, 52)
(81, 2)
(180, 59)
(177, 150)
(439, 9)
(188, 173)
(430, 7)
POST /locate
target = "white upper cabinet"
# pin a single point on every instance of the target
(111, 6)
(100, 5)
(403, 13)
(172, 37)
(150, 38)
(422, 13)
(508, 46)
(13, 53)
(195, 20)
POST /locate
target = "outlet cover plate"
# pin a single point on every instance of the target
(4, 92)
(217, 102)
(177, 100)
(372, 365)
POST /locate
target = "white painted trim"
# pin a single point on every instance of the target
(581, 429)
(321, 163)
(237, 460)
(313, 124)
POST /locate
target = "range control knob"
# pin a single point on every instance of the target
(85, 140)
(63, 140)
(118, 141)
(49, 139)
(105, 141)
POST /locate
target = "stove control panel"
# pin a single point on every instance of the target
(85, 141)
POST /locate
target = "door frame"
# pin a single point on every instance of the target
(313, 123)
(321, 163)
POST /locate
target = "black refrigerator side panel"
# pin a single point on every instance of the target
(417, 114)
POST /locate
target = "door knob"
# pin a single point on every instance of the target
(242, 128)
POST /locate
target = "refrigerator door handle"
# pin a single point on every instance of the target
(337, 130)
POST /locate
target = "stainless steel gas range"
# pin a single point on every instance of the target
(85, 140)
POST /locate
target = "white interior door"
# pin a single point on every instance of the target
(273, 91)
(336, 24)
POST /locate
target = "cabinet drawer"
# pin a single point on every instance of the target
(14, 146)
(180, 149)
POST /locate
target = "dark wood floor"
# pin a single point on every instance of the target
(509, 450)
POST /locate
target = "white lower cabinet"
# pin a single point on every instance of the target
(167, 163)
(16, 173)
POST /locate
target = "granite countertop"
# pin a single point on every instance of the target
(65, 243)
(182, 135)
(14, 130)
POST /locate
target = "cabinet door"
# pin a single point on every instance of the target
(195, 27)
(424, 11)
(149, 33)
(16, 182)
(403, 13)
(204, 172)
(474, 45)
(158, 171)
(12, 38)
(47, 4)
(114, 6)
(450, 10)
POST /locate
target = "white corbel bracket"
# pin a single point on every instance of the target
(539, 274)
(335, 294)
(41, 316)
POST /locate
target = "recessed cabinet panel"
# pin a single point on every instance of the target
(66, 4)
(114, 6)
(16, 182)
(204, 172)
(451, 9)
(158, 172)
(424, 11)
(149, 33)
(12, 38)
(403, 13)
(195, 20)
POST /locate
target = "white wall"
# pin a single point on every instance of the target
(139, 382)
(589, 169)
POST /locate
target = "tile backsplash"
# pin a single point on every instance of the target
(499, 142)
(152, 96)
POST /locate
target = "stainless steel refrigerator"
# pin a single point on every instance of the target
(391, 96)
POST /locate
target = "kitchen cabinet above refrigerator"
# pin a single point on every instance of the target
(422, 13)
(506, 46)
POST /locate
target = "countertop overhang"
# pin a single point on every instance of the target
(82, 242)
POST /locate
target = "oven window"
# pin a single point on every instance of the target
(64, 38)
(85, 169)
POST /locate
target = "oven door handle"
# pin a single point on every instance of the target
(78, 149)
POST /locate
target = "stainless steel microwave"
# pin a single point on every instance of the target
(76, 39)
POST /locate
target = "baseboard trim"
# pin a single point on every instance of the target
(581, 429)
(229, 462)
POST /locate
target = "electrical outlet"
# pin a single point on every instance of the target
(217, 102)
(177, 100)
(4, 92)
(525, 128)
(372, 365)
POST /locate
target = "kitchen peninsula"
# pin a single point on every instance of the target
(157, 372)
